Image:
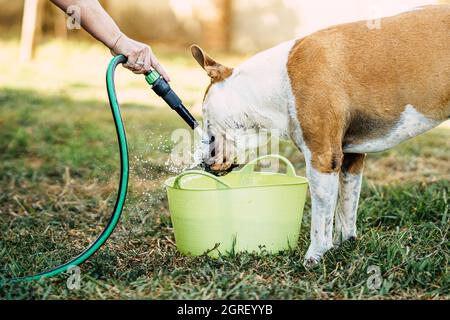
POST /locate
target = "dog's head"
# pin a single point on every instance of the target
(221, 114)
(238, 105)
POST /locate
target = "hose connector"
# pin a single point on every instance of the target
(151, 77)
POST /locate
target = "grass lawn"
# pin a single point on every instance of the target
(58, 177)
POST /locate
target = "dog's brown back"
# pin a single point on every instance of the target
(358, 80)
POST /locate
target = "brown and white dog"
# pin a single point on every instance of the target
(338, 94)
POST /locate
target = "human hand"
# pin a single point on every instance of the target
(141, 58)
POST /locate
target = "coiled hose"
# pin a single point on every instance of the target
(123, 184)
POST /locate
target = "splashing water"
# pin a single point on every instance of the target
(193, 157)
(198, 130)
(151, 164)
(198, 148)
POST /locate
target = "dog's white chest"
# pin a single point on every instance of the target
(411, 124)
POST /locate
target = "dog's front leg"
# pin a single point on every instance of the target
(349, 192)
(324, 186)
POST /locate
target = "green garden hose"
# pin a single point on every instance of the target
(123, 184)
(162, 89)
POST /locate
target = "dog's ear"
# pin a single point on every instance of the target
(215, 70)
(201, 57)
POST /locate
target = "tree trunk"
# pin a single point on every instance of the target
(31, 26)
(216, 25)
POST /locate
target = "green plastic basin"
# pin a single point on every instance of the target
(244, 211)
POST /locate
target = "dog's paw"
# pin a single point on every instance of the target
(314, 255)
(311, 262)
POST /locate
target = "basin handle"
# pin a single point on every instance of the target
(250, 167)
(177, 181)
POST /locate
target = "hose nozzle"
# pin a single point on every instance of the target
(163, 89)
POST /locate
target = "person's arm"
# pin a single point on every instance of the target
(96, 21)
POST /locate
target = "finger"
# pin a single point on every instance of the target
(148, 61)
(148, 64)
(131, 62)
(158, 67)
(140, 62)
(145, 62)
